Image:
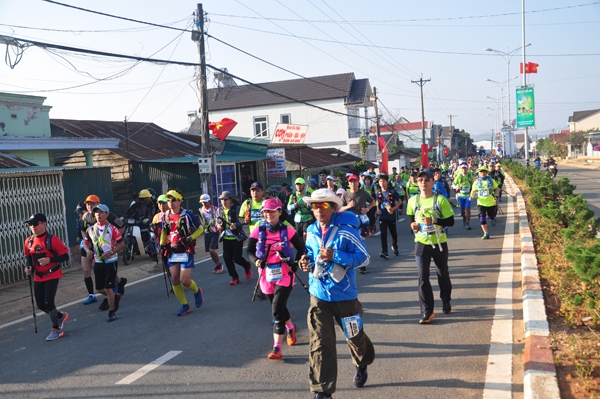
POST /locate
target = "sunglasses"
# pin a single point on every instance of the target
(321, 205)
(271, 210)
(174, 200)
(224, 199)
(34, 224)
(423, 179)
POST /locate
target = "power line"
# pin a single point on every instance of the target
(140, 29)
(413, 19)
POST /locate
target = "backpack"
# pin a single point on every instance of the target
(262, 239)
(48, 245)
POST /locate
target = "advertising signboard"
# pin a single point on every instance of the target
(525, 107)
(289, 134)
(276, 164)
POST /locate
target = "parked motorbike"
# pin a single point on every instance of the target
(134, 244)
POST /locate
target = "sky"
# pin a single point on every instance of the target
(390, 42)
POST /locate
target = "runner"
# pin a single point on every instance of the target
(270, 250)
(157, 227)
(462, 185)
(233, 237)
(88, 220)
(497, 174)
(355, 201)
(250, 209)
(44, 253)
(102, 244)
(334, 251)
(388, 201)
(208, 217)
(485, 188)
(178, 243)
(370, 189)
(303, 216)
(429, 214)
(412, 187)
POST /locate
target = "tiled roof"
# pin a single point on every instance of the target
(8, 160)
(345, 156)
(579, 115)
(305, 89)
(313, 158)
(143, 141)
(359, 92)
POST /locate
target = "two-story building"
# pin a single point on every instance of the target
(335, 108)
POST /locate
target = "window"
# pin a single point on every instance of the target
(261, 126)
(285, 118)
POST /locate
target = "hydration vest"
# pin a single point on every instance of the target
(283, 236)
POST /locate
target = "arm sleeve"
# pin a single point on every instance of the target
(299, 245)
(252, 250)
(59, 258)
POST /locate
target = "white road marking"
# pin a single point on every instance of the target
(148, 368)
(498, 378)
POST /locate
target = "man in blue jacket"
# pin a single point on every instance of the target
(334, 252)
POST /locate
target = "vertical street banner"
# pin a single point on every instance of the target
(525, 107)
(276, 164)
(424, 156)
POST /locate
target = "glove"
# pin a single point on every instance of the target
(294, 267)
(186, 240)
(145, 221)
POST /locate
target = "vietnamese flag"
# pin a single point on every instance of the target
(223, 128)
(384, 155)
(530, 67)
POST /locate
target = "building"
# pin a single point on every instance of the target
(335, 108)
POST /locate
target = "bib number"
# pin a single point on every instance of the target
(297, 218)
(274, 273)
(182, 257)
(484, 193)
(364, 219)
(464, 190)
(427, 229)
(352, 326)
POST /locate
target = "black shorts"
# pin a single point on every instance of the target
(211, 241)
(301, 227)
(489, 211)
(105, 274)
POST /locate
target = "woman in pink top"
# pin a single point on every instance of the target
(270, 249)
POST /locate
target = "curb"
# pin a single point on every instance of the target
(539, 379)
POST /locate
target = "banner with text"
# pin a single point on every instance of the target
(525, 107)
(276, 164)
(289, 134)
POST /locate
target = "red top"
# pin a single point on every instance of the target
(38, 250)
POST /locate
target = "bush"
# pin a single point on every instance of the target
(586, 261)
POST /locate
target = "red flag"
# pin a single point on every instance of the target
(424, 156)
(530, 67)
(384, 155)
(223, 128)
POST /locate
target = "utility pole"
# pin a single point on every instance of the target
(198, 37)
(451, 128)
(421, 83)
(378, 156)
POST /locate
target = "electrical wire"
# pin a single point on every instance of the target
(140, 29)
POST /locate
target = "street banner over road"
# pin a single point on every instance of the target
(525, 107)
(289, 134)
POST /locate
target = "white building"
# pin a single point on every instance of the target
(258, 108)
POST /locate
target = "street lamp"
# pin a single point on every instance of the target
(507, 55)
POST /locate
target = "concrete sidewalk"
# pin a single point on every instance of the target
(15, 298)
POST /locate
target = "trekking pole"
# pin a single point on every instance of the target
(507, 193)
(32, 306)
(301, 283)
(262, 265)
(165, 275)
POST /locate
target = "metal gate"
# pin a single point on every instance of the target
(224, 180)
(21, 195)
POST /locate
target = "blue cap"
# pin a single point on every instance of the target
(313, 180)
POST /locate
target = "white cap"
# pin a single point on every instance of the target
(205, 198)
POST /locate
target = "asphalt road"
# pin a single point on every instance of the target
(224, 344)
(587, 181)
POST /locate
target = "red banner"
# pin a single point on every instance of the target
(424, 156)
(530, 67)
(384, 155)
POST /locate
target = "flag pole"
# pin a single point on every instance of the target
(524, 71)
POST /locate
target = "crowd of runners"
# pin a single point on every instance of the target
(319, 228)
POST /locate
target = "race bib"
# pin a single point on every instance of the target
(464, 190)
(297, 218)
(228, 233)
(182, 257)
(274, 273)
(484, 193)
(352, 326)
(364, 219)
(255, 216)
(427, 228)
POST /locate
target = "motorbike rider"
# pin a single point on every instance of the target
(142, 211)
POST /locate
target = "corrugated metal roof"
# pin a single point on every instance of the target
(347, 157)
(313, 158)
(8, 160)
(144, 140)
(360, 92)
(306, 89)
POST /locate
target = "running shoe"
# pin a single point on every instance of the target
(362, 269)
(249, 273)
(468, 227)
(261, 296)
(447, 309)
(55, 334)
(121, 289)
(90, 299)
(499, 199)
(117, 300)
(486, 236)
(426, 318)
(322, 395)
(291, 336)
(218, 269)
(234, 281)
(384, 255)
(61, 322)
(198, 297)
(493, 222)
(275, 354)
(185, 309)
(464, 223)
(104, 305)
(112, 316)
(460, 215)
(396, 252)
(360, 376)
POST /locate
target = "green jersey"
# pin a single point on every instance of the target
(303, 212)
(253, 208)
(464, 184)
(485, 188)
(435, 207)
